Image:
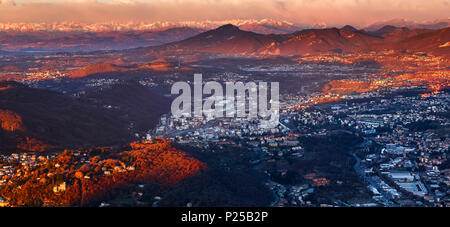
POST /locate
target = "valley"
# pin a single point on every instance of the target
(359, 110)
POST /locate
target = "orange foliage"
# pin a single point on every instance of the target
(2, 88)
(154, 162)
(31, 144)
(433, 80)
(159, 161)
(96, 68)
(321, 181)
(347, 86)
(10, 121)
(163, 64)
(326, 99)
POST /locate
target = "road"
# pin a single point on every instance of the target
(369, 180)
(261, 161)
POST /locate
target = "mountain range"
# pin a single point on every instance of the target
(436, 24)
(78, 37)
(259, 26)
(90, 41)
(231, 40)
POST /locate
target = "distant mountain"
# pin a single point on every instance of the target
(90, 37)
(95, 69)
(428, 41)
(76, 37)
(227, 39)
(89, 41)
(392, 34)
(3, 52)
(350, 28)
(437, 42)
(312, 41)
(263, 26)
(436, 24)
(230, 39)
(268, 27)
(388, 29)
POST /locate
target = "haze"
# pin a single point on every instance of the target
(307, 12)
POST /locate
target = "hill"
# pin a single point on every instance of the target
(87, 177)
(95, 69)
(313, 41)
(48, 119)
(436, 42)
(227, 39)
(132, 102)
(90, 41)
(231, 40)
(37, 120)
(436, 24)
(392, 34)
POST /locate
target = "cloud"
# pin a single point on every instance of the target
(331, 12)
(7, 3)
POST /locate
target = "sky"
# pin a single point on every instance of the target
(329, 12)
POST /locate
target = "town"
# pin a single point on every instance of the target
(362, 129)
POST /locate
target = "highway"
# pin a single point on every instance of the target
(369, 180)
